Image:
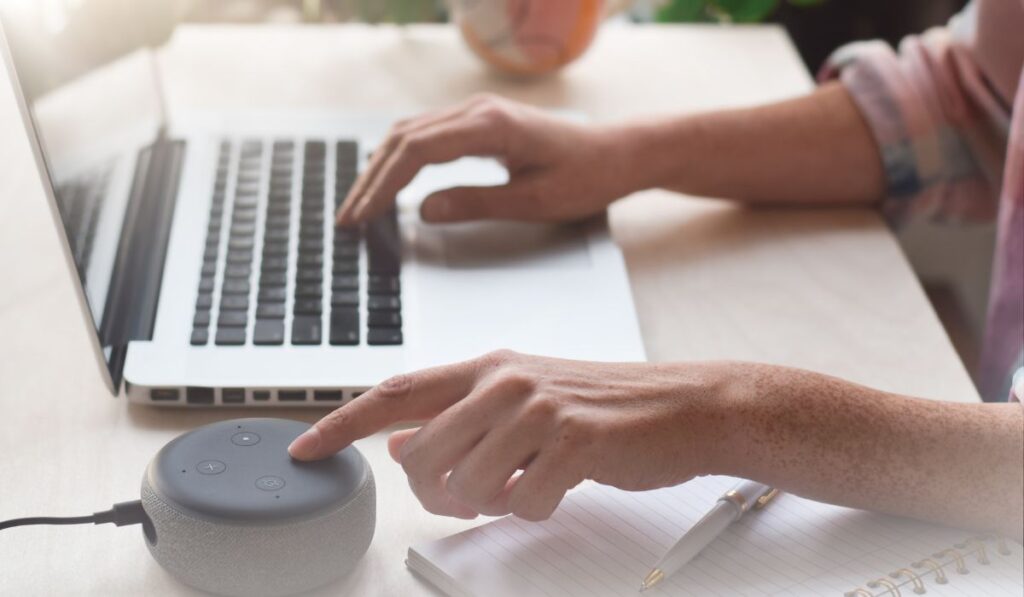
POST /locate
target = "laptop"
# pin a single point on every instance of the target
(211, 273)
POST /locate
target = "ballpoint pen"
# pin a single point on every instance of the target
(726, 510)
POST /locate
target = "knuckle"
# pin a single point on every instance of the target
(413, 146)
(458, 487)
(411, 456)
(335, 422)
(485, 98)
(495, 114)
(575, 430)
(396, 388)
(396, 136)
(401, 125)
(498, 358)
(512, 381)
(542, 409)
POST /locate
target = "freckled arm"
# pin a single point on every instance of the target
(960, 464)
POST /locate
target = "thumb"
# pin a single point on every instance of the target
(513, 201)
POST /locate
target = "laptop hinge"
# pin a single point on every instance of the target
(130, 311)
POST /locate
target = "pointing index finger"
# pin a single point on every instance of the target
(412, 396)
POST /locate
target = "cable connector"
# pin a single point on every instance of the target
(122, 514)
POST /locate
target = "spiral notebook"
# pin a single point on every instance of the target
(602, 541)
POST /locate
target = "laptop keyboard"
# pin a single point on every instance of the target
(287, 275)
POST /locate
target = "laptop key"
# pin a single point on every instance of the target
(204, 301)
(379, 302)
(273, 280)
(344, 327)
(275, 249)
(309, 274)
(243, 229)
(306, 330)
(345, 267)
(308, 307)
(237, 271)
(241, 243)
(232, 319)
(308, 291)
(268, 332)
(275, 264)
(346, 251)
(200, 336)
(240, 256)
(345, 299)
(276, 234)
(206, 284)
(209, 268)
(235, 286)
(234, 302)
(345, 283)
(384, 319)
(272, 295)
(384, 285)
(201, 319)
(230, 336)
(311, 260)
(270, 311)
(384, 336)
(311, 246)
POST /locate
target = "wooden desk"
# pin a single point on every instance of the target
(826, 290)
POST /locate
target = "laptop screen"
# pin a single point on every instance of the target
(92, 103)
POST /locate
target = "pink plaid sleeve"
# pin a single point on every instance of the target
(940, 130)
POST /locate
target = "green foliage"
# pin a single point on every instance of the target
(399, 11)
(723, 11)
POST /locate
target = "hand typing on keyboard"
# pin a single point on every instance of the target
(558, 170)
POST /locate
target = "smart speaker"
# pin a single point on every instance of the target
(233, 514)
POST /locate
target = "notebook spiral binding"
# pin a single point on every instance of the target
(932, 569)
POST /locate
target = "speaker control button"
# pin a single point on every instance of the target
(270, 483)
(245, 438)
(211, 467)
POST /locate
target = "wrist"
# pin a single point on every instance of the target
(636, 152)
(727, 431)
(656, 152)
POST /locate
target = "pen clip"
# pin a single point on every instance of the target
(765, 498)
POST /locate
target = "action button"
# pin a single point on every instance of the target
(269, 483)
(245, 438)
(211, 467)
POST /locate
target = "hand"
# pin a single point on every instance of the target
(634, 426)
(558, 170)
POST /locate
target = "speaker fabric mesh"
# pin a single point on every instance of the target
(262, 560)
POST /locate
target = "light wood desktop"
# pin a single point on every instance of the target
(828, 290)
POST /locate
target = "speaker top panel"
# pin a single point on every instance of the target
(240, 471)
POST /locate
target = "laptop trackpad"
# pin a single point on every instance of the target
(501, 245)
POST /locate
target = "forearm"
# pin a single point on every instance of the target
(816, 149)
(960, 464)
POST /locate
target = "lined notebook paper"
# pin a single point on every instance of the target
(602, 541)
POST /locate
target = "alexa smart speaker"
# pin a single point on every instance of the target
(232, 513)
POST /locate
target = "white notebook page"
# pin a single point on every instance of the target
(603, 541)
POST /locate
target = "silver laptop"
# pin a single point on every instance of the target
(212, 273)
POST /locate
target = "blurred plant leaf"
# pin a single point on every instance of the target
(723, 11)
(745, 11)
(683, 11)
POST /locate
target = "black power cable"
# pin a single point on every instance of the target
(122, 514)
